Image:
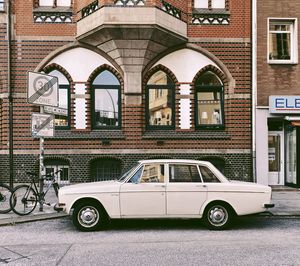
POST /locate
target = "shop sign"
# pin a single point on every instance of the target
(284, 104)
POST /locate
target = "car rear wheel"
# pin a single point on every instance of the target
(218, 216)
(89, 217)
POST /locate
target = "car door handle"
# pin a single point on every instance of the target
(160, 186)
(204, 186)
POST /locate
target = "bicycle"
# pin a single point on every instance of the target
(24, 198)
(5, 193)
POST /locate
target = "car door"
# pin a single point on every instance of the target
(185, 191)
(144, 195)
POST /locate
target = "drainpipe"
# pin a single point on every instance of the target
(254, 85)
(10, 94)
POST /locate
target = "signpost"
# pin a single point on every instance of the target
(43, 91)
(42, 125)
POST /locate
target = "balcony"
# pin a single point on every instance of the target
(131, 32)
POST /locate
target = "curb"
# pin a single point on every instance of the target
(31, 218)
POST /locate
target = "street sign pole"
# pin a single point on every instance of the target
(42, 167)
(43, 91)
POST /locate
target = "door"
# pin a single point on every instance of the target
(144, 195)
(276, 158)
(185, 191)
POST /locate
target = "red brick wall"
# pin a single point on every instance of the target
(24, 25)
(239, 27)
(275, 79)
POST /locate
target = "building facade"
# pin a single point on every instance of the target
(138, 79)
(278, 93)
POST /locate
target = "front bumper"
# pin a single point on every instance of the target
(59, 207)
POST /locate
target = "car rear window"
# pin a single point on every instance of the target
(184, 173)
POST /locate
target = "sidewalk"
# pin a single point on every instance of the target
(287, 204)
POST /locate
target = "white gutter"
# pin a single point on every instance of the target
(254, 85)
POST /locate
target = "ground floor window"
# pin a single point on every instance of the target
(106, 169)
(54, 165)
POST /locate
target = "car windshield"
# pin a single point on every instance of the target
(124, 176)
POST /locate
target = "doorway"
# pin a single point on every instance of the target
(276, 158)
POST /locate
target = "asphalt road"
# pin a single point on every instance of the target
(252, 241)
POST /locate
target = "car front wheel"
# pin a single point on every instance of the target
(89, 217)
(218, 216)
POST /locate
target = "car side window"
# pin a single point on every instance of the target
(136, 177)
(153, 173)
(184, 173)
(208, 176)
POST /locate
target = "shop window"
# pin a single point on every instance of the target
(160, 101)
(53, 165)
(2, 6)
(106, 105)
(209, 104)
(62, 120)
(282, 41)
(210, 4)
(106, 169)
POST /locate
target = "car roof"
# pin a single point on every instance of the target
(173, 161)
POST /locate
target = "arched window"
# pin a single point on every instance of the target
(62, 120)
(106, 169)
(160, 93)
(106, 94)
(209, 101)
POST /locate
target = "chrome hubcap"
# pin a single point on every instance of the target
(88, 216)
(218, 215)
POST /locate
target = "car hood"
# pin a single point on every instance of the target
(93, 187)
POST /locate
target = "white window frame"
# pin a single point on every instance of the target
(218, 4)
(201, 4)
(294, 40)
(2, 6)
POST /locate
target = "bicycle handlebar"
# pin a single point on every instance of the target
(33, 174)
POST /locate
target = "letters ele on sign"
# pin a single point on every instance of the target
(284, 104)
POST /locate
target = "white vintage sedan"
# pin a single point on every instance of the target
(164, 189)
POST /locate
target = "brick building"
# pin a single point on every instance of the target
(278, 93)
(138, 79)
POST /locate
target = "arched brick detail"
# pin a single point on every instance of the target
(100, 69)
(52, 158)
(55, 66)
(216, 71)
(157, 68)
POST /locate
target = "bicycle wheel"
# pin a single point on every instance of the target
(5, 194)
(23, 200)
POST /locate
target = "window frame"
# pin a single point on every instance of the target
(68, 88)
(3, 4)
(209, 5)
(214, 89)
(293, 22)
(58, 165)
(105, 87)
(187, 165)
(170, 87)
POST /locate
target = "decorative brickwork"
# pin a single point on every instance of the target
(230, 46)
